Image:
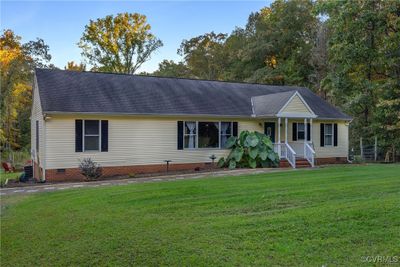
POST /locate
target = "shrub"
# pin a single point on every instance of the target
(358, 159)
(251, 149)
(90, 169)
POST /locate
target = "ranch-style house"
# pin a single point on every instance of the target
(133, 123)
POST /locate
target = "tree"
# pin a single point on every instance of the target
(319, 61)
(204, 55)
(168, 68)
(281, 43)
(118, 44)
(17, 62)
(364, 56)
(75, 67)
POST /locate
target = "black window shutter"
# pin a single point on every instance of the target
(37, 136)
(235, 128)
(78, 136)
(294, 131)
(322, 136)
(308, 131)
(180, 135)
(335, 134)
(104, 136)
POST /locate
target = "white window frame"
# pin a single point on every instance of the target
(220, 134)
(331, 135)
(84, 136)
(185, 134)
(196, 134)
(297, 131)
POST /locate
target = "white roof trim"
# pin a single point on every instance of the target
(280, 113)
(295, 115)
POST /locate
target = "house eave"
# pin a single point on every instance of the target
(251, 116)
(119, 114)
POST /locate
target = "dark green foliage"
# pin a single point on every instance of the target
(250, 150)
(168, 68)
(364, 59)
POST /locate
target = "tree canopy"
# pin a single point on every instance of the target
(17, 62)
(118, 44)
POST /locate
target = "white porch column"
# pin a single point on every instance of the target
(279, 137)
(286, 130)
(286, 138)
(305, 135)
(311, 140)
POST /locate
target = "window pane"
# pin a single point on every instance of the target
(190, 127)
(328, 140)
(91, 127)
(190, 141)
(226, 128)
(328, 129)
(226, 132)
(208, 134)
(300, 127)
(91, 143)
(300, 135)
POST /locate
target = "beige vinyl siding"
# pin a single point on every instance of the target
(132, 141)
(37, 115)
(341, 150)
(296, 105)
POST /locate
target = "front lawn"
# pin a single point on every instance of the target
(331, 216)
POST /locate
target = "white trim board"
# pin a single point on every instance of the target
(296, 115)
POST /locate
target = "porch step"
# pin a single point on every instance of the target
(300, 163)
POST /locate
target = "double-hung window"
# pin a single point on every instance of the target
(190, 134)
(91, 133)
(300, 131)
(328, 134)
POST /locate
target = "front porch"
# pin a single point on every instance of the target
(288, 120)
(293, 139)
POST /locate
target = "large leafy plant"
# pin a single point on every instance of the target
(250, 150)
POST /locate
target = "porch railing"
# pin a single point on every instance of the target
(280, 149)
(285, 151)
(309, 154)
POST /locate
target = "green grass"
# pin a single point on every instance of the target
(10, 176)
(331, 216)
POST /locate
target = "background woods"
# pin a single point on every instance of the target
(17, 62)
(347, 51)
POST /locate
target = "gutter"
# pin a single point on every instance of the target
(47, 114)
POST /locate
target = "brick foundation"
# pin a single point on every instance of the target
(335, 160)
(73, 174)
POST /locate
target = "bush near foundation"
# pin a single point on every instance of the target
(90, 169)
(250, 150)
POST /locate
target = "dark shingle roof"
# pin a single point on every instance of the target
(269, 105)
(90, 92)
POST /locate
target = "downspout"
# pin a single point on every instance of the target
(348, 130)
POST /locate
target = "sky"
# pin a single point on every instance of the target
(61, 23)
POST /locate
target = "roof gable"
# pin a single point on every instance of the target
(296, 106)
